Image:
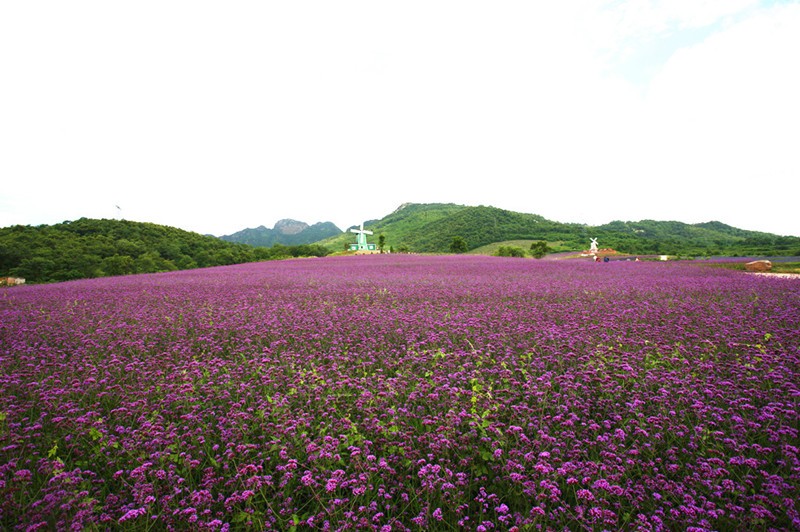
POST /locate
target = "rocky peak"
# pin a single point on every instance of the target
(289, 227)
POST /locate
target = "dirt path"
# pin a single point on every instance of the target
(784, 275)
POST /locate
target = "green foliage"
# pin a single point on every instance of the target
(491, 249)
(87, 248)
(458, 245)
(480, 226)
(381, 242)
(688, 240)
(430, 228)
(279, 251)
(786, 267)
(777, 267)
(119, 265)
(539, 249)
(510, 251)
(402, 226)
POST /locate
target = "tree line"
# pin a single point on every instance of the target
(87, 248)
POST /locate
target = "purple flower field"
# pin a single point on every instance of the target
(403, 393)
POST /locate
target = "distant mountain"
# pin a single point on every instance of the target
(432, 227)
(286, 232)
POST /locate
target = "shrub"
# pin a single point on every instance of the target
(510, 251)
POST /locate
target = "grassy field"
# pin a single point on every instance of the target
(777, 267)
(491, 249)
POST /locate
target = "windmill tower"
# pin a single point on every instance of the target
(361, 240)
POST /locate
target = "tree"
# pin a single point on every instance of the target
(458, 245)
(381, 242)
(118, 265)
(510, 251)
(37, 269)
(540, 249)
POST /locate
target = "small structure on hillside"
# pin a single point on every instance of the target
(11, 281)
(597, 253)
(592, 251)
(361, 240)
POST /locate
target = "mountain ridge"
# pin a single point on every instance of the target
(431, 227)
(287, 232)
(95, 248)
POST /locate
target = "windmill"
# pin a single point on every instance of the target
(593, 245)
(361, 239)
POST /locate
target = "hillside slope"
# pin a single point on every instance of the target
(431, 228)
(400, 227)
(709, 238)
(88, 248)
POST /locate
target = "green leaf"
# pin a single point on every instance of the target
(95, 434)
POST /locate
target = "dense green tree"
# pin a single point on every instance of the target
(129, 248)
(35, 269)
(539, 249)
(118, 265)
(458, 245)
(85, 263)
(147, 263)
(510, 251)
(185, 262)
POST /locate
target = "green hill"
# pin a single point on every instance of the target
(430, 228)
(404, 224)
(678, 238)
(87, 248)
(95, 248)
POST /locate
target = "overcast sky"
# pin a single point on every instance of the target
(217, 116)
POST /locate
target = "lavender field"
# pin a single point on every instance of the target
(403, 393)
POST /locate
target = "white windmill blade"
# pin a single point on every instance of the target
(366, 232)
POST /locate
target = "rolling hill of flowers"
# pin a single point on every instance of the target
(403, 393)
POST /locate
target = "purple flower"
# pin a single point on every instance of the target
(542, 391)
(132, 514)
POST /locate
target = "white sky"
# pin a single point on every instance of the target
(217, 116)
